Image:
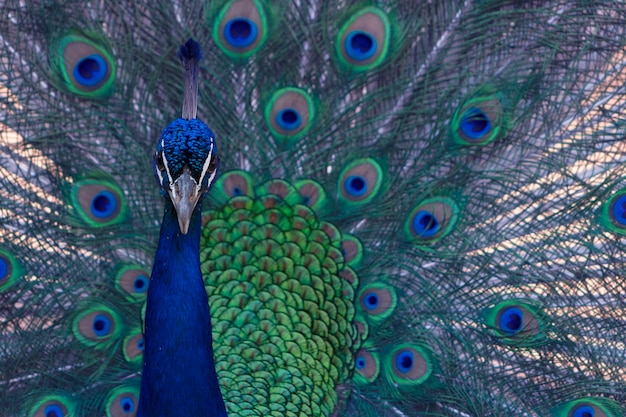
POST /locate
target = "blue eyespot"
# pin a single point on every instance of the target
(96, 326)
(289, 114)
(288, 119)
(53, 410)
(101, 325)
(404, 361)
(140, 344)
(360, 362)
(360, 45)
(619, 210)
(10, 270)
(103, 204)
(127, 404)
(511, 320)
(366, 366)
(90, 70)
(98, 203)
(584, 411)
(4, 269)
(371, 301)
(141, 283)
(240, 32)
(425, 224)
(378, 301)
(475, 123)
(356, 185)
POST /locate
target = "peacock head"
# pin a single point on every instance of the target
(185, 165)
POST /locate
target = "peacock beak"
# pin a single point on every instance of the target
(185, 194)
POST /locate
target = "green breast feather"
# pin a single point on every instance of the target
(282, 302)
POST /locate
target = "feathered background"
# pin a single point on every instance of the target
(452, 203)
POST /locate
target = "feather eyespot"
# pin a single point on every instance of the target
(54, 410)
(101, 325)
(103, 204)
(360, 45)
(480, 120)
(612, 214)
(289, 113)
(516, 322)
(97, 325)
(52, 406)
(404, 361)
(431, 220)
(589, 407)
(90, 70)
(360, 181)
(123, 401)
(141, 283)
(280, 188)
(313, 194)
(511, 320)
(584, 411)
(356, 185)
(618, 209)
(241, 28)
(134, 347)
(85, 65)
(515, 319)
(352, 250)
(288, 119)
(127, 404)
(378, 301)
(475, 123)
(363, 41)
(366, 366)
(240, 32)
(409, 364)
(10, 270)
(229, 185)
(132, 280)
(98, 203)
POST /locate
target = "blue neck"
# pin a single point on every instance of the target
(179, 376)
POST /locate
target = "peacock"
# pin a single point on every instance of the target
(177, 328)
(420, 208)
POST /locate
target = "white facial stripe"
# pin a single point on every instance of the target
(205, 168)
(212, 177)
(167, 169)
(158, 171)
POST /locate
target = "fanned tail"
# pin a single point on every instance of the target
(460, 163)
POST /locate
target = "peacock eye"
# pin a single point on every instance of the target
(213, 164)
(158, 160)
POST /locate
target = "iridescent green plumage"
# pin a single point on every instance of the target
(282, 312)
(421, 208)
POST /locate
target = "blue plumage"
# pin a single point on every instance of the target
(179, 372)
(185, 142)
